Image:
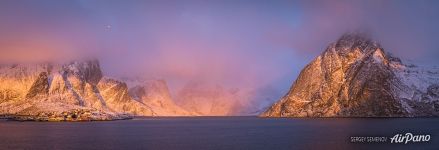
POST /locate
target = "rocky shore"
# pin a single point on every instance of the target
(76, 115)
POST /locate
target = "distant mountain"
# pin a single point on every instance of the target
(354, 77)
(256, 100)
(155, 94)
(78, 91)
(208, 99)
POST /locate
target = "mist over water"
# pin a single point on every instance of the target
(248, 45)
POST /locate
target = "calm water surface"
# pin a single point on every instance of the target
(216, 133)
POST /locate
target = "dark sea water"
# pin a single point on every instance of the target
(216, 133)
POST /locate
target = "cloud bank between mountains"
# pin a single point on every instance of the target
(243, 44)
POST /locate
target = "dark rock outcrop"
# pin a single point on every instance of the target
(39, 87)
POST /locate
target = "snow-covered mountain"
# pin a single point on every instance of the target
(78, 91)
(155, 94)
(354, 77)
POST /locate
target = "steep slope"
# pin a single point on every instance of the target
(116, 96)
(354, 77)
(155, 94)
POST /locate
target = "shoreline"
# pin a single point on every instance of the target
(22, 118)
(27, 118)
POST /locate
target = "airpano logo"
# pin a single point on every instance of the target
(409, 137)
(403, 138)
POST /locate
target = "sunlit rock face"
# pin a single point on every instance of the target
(115, 94)
(40, 89)
(354, 77)
(16, 80)
(48, 91)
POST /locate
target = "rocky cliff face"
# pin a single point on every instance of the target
(354, 77)
(53, 92)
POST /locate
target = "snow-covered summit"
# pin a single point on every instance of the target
(356, 77)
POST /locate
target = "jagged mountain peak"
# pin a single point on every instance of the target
(350, 50)
(87, 70)
(82, 64)
(355, 41)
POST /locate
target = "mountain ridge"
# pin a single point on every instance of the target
(75, 91)
(353, 77)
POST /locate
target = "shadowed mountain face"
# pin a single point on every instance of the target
(155, 94)
(354, 77)
(57, 91)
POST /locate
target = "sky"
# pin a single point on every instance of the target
(235, 43)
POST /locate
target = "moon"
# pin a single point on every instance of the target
(108, 27)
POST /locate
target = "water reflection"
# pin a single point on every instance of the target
(214, 133)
